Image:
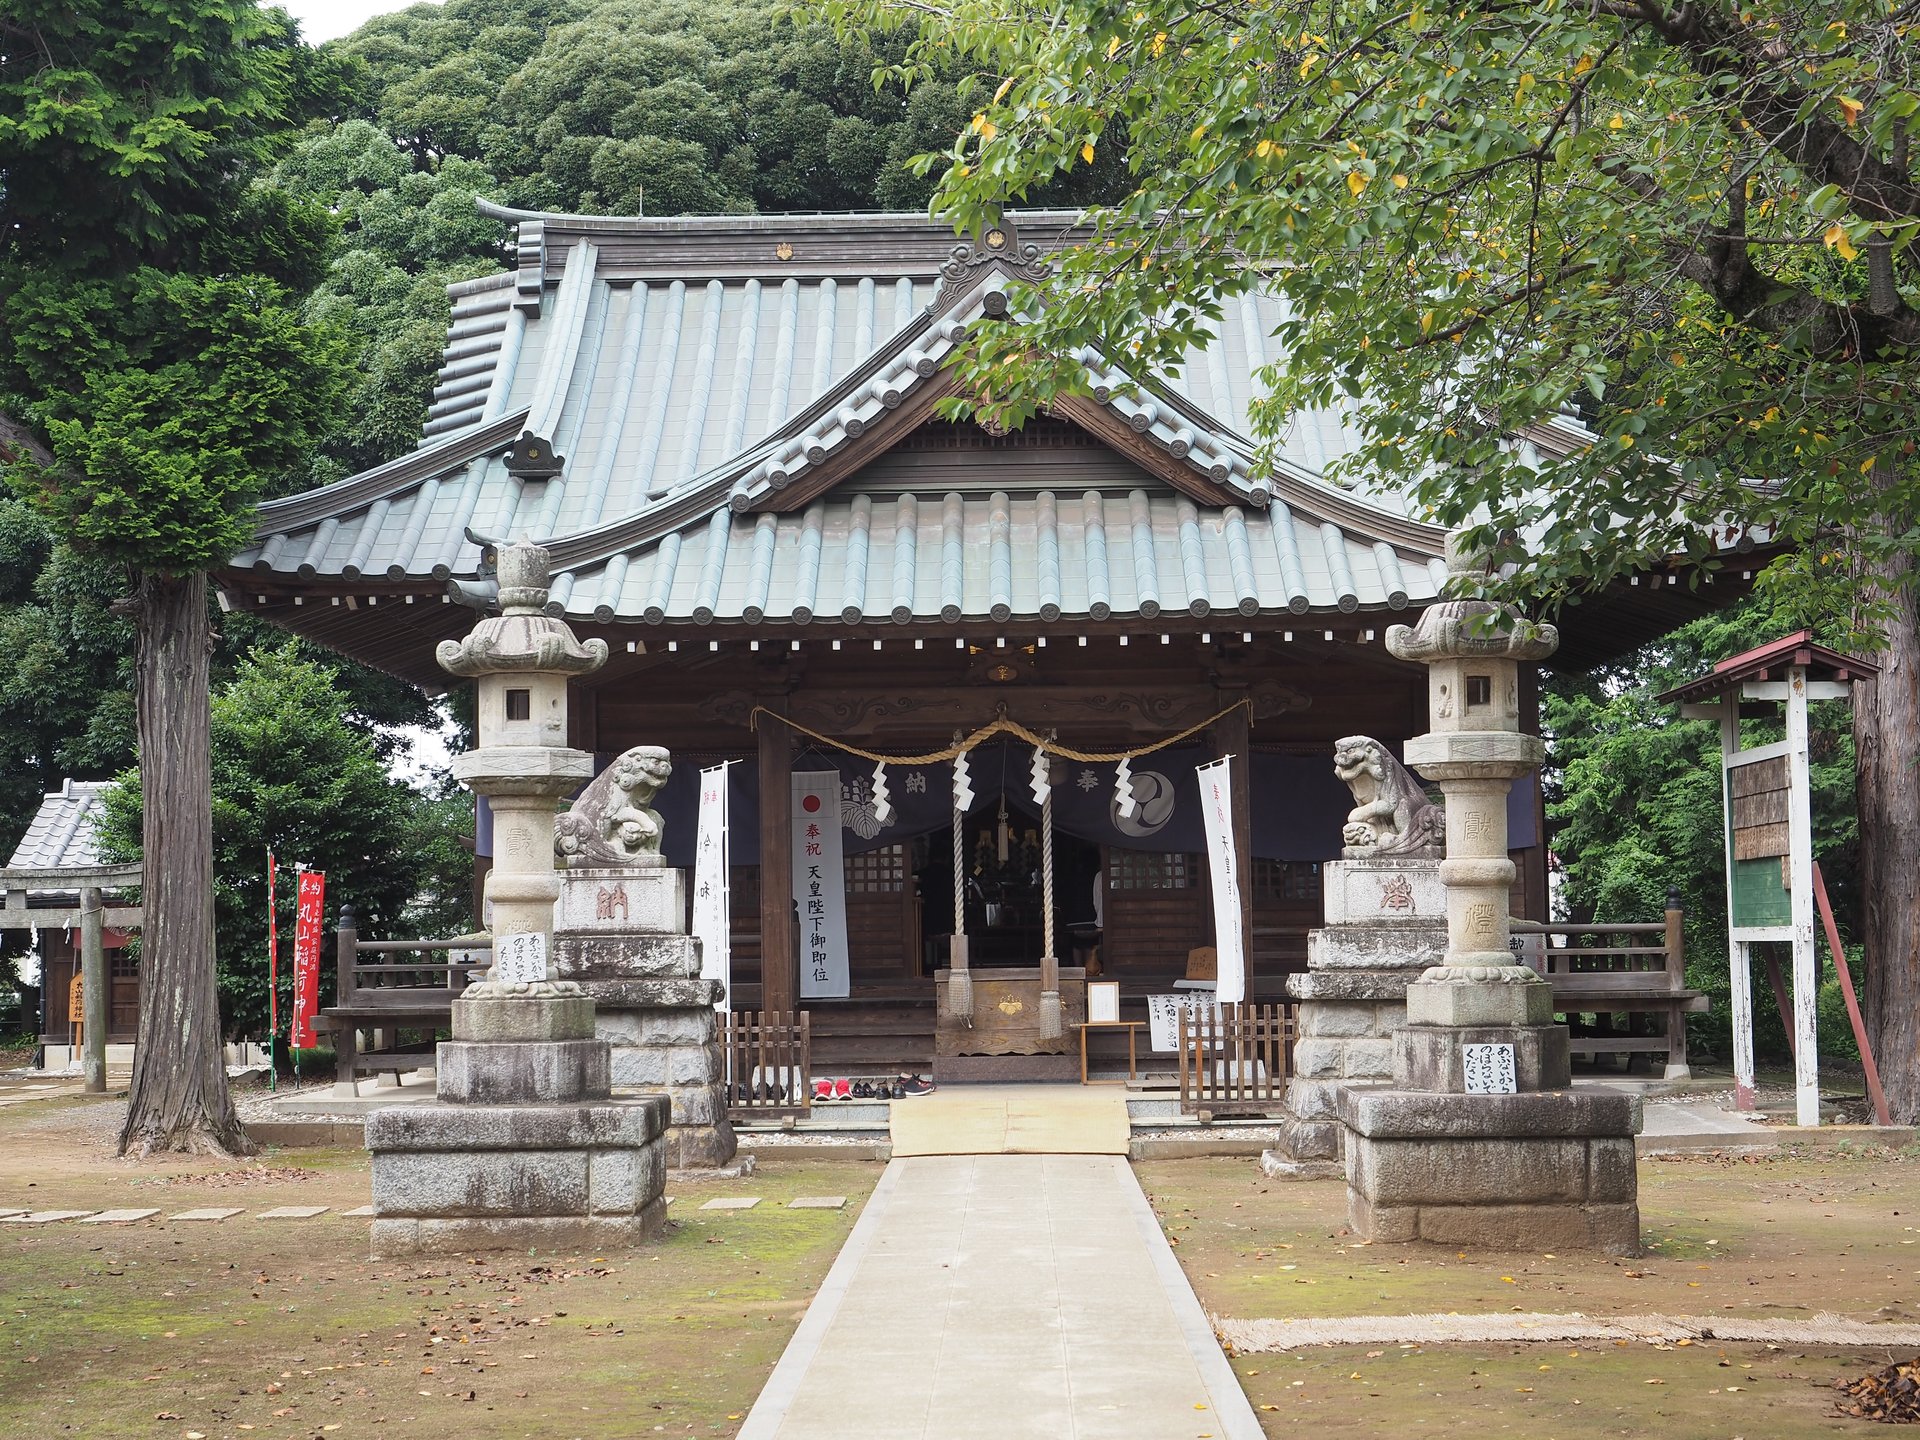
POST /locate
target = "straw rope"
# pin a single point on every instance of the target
(1001, 726)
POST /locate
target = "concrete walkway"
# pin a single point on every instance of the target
(1005, 1296)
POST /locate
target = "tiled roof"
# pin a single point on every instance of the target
(688, 371)
(62, 831)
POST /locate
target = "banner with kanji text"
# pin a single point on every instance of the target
(306, 959)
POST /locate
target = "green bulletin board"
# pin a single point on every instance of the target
(1760, 894)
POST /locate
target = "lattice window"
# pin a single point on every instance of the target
(877, 872)
(1292, 882)
(1152, 870)
(122, 963)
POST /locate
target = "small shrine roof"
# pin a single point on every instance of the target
(62, 833)
(1766, 662)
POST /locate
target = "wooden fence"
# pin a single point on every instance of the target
(1235, 1059)
(394, 989)
(769, 1064)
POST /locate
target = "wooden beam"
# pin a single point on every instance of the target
(122, 917)
(64, 877)
(779, 963)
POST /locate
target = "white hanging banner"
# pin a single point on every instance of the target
(1216, 810)
(712, 900)
(820, 885)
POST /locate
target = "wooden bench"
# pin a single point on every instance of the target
(1624, 976)
(393, 998)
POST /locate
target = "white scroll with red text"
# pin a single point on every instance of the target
(306, 959)
(820, 885)
(712, 917)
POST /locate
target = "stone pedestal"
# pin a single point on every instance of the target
(1386, 923)
(524, 1148)
(1549, 1170)
(621, 934)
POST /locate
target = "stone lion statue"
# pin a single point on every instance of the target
(1391, 816)
(613, 822)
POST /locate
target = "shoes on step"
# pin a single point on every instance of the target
(863, 1089)
(916, 1085)
(823, 1090)
(843, 1089)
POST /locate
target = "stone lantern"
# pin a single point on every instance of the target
(520, 661)
(524, 1146)
(1480, 1139)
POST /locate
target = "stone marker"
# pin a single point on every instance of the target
(737, 1202)
(45, 1217)
(524, 1146)
(1481, 1139)
(211, 1212)
(359, 1212)
(119, 1217)
(292, 1212)
(818, 1202)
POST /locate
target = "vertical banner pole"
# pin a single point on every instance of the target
(712, 887)
(273, 980)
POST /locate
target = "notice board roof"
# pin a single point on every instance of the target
(1767, 662)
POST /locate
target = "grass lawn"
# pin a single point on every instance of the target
(1787, 1237)
(248, 1327)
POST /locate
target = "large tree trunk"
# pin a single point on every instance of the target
(180, 1099)
(1886, 730)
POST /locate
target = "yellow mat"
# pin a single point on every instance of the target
(1012, 1120)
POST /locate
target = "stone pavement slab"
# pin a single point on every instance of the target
(363, 1212)
(1012, 1119)
(1004, 1296)
(45, 1217)
(817, 1202)
(119, 1217)
(208, 1212)
(737, 1202)
(292, 1212)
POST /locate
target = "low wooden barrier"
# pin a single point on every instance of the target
(1235, 1059)
(769, 1064)
(393, 998)
(1623, 975)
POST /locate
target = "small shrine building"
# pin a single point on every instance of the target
(724, 431)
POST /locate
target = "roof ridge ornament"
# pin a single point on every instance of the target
(997, 240)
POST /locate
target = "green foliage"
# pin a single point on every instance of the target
(294, 771)
(1634, 799)
(1691, 225)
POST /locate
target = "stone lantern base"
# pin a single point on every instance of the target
(1546, 1167)
(1551, 1170)
(524, 1148)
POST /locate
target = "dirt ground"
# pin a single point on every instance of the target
(262, 1328)
(1788, 1236)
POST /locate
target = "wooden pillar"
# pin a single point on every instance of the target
(1233, 735)
(779, 962)
(93, 982)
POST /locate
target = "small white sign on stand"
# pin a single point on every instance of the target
(520, 959)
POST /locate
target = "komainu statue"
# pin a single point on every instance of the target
(1392, 816)
(613, 822)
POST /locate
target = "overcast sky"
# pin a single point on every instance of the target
(330, 19)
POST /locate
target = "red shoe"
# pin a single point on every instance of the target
(823, 1090)
(843, 1089)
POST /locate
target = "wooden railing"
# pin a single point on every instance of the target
(1235, 1059)
(769, 1064)
(394, 998)
(1624, 975)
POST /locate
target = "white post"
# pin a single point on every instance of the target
(1806, 973)
(1739, 958)
(1740, 972)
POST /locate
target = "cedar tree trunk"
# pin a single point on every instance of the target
(180, 1099)
(1886, 731)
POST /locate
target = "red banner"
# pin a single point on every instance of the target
(306, 959)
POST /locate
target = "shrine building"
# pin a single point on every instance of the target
(724, 430)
